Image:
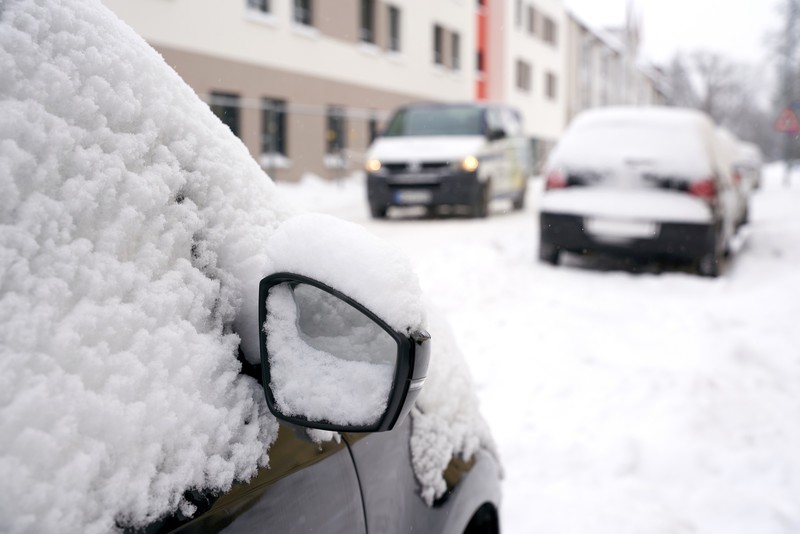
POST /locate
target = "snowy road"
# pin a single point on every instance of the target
(622, 402)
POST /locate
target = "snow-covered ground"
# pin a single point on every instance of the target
(622, 402)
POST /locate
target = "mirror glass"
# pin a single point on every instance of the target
(328, 361)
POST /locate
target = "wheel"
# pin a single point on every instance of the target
(377, 212)
(710, 264)
(549, 253)
(480, 209)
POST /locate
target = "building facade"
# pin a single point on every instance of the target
(604, 69)
(307, 84)
(521, 59)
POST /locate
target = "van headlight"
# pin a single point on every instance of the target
(469, 164)
(373, 165)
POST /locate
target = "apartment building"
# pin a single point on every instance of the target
(307, 84)
(521, 55)
(603, 68)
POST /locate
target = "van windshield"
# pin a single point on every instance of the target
(436, 120)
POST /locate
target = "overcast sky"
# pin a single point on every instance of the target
(736, 28)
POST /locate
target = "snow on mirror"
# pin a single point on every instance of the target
(329, 362)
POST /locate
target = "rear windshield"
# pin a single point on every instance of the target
(670, 149)
(436, 120)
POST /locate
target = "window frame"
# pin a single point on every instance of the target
(394, 23)
(226, 106)
(274, 109)
(258, 6)
(366, 29)
(438, 45)
(303, 12)
(336, 124)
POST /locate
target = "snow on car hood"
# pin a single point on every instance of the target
(426, 148)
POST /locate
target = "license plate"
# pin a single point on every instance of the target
(621, 229)
(413, 196)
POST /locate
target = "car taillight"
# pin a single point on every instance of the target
(555, 180)
(737, 177)
(705, 189)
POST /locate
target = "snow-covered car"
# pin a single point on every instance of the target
(650, 182)
(180, 349)
(749, 163)
(449, 154)
(730, 146)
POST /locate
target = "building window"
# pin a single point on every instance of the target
(550, 31)
(368, 21)
(226, 107)
(455, 50)
(273, 126)
(303, 11)
(518, 13)
(394, 29)
(479, 61)
(336, 132)
(258, 5)
(531, 20)
(523, 75)
(438, 42)
(551, 86)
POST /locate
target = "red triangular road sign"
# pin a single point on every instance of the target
(788, 122)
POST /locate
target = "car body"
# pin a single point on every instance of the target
(650, 182)
(142, 383)
(731, 147)
(449, 154)
(749, 162)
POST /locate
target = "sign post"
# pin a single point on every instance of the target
(788, 123)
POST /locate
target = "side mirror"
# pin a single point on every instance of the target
(496, 134)
(330, 363)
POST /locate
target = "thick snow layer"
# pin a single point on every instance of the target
(664, 141)
(621, 402)
(132, 224)
(630, 204)
(354, 261)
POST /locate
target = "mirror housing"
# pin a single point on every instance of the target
(496, 134)
(412, 359)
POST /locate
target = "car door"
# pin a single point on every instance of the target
(308, 487)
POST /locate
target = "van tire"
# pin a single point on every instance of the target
(549, 253)
(377, 212)
(480, 209)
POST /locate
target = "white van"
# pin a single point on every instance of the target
(449, 154)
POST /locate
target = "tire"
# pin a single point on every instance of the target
(710, 264)
(377, 212)
(480, 209)
(549, 253)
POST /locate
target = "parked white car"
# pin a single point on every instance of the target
(651, 182)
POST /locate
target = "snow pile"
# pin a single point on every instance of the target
(664, 141)
(132, 224)
(446, 419)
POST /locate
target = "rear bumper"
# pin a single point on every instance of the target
(681, 241)
(458, 187)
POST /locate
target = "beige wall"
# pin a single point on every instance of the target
(306, 122)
